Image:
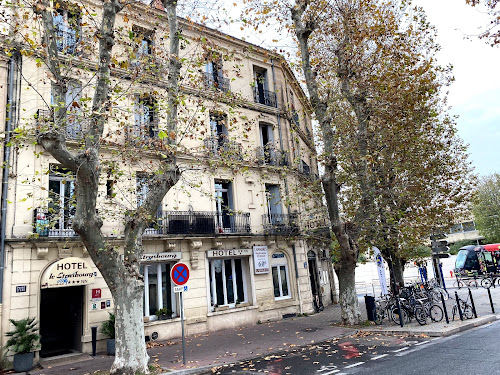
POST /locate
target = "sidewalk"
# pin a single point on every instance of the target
(229, 346)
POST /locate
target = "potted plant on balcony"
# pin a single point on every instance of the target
(164, 314)
(108, 329)
(23, 342)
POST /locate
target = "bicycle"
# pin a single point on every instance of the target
(466, 308)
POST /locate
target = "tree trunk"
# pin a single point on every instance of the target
(398, 270)
(348, 300)
(131, 356)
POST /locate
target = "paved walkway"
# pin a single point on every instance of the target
(229, 346)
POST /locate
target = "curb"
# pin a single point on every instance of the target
(202, 369)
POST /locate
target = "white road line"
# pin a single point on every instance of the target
(422, 343)
(400, 350)
(330, 372)
(380, 356)
(354, 365)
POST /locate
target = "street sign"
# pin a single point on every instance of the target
(180, 288)
(180, 274)
(440, 246)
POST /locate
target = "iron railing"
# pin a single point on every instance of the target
(201, 223)
(280, 224)
(265, 97)
(222, 147)
(216, 81)
(52, 224)
(75, 125)
(271, 156)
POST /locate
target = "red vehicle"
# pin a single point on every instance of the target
(478, 259)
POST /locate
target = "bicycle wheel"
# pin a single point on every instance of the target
(378, 316)
(467, 312)
(487, 282)
(436, 313)
(395, 315)
(421, 315)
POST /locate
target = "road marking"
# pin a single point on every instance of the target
(400, 350)
(422, 343)
(331, 372)
(380, 356)
(354, 365)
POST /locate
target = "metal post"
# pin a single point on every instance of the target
(472, 303)
(182, 330)
(444, 309)
(399, 312)
(441, 272)
(491, 301)
(94, 340)
(458, 306)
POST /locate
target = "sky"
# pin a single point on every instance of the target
(475, 94)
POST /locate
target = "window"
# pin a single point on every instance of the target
(158, 288)
(218, 139)
(67, 29)
(72, 100)
(143, 46)
(281, 281)
(146, 118)
(228, 281)
(224, 207)
(214, 75)
(262, 94)
(273, 198)
(142, 190)
(62, 202)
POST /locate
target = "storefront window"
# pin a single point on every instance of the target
(279, 271)
(227, 282)
(156, 297)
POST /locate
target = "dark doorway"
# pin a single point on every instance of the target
(61, 320)
(314, 279)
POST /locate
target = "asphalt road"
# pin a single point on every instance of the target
(468, 353)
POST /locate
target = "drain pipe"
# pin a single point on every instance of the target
(278, 119)
(6, 159)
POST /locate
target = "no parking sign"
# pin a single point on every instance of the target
(180, 274)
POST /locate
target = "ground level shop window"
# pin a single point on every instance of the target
(280, 281)
(228, 284)
(158, 289)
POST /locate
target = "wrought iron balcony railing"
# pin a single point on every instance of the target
(271, 156)
(67, 40)
(201, 223)
(222, 147)
(280, 224)
(52, 223)
(265, 97)
(216, 81)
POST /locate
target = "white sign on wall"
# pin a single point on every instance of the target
(68, 272)
(161, 257)
(228, 253)
(261, 259)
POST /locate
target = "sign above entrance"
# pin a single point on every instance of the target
(180, 274)
(161, 257)
(68, 272)
(228, 253)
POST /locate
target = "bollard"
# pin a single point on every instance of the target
(472, 303)
(94, 340)
(444, 309)
(458, 306)
(400, 312)
(491, 301)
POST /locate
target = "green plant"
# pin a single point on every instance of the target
(24, 338)
(108, 326)
(163, 311)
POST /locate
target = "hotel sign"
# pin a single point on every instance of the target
(228, 253)
(160, 257)
(69, 272)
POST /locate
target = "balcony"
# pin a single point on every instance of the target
(50, 223)
(216, 81)
(222, 147)
(265, 97)
(269, 155)
(280, 224)
(201, 223)
(74, 128)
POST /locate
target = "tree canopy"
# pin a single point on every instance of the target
(486, 208)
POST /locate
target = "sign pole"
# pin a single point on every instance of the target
(182, 329)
